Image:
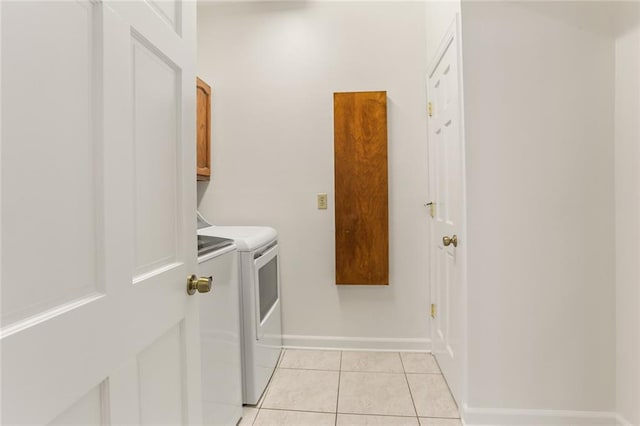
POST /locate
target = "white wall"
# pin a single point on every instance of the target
(627, 202)
(273, 68)
(539, 93)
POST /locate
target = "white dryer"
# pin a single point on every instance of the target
(260, 303)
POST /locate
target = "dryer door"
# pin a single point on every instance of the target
(268, 296)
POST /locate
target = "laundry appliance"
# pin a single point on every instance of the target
(260, 302)
(220, 332)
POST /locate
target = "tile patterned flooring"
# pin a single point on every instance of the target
(334, 388)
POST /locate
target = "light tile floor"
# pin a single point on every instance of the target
(334, 388)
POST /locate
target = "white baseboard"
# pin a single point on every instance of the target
(622, 421)
(497, 417)
(356, 343)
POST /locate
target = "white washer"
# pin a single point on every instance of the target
(260, 303)
(221, 337)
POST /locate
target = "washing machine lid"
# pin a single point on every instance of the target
(208, 244)
(247, 238)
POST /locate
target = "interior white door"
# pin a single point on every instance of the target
(98, 202)
(447, 227)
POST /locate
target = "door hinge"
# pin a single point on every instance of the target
(430, 109)
(433, 310)
(432, 208)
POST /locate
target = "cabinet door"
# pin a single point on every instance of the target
(203, 139)
(361, 188)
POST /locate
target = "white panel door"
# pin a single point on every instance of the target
(97, 221)
(447, 230)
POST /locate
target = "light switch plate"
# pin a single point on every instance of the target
(322, 201)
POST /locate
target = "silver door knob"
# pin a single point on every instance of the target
(447, 241)
(201, 285)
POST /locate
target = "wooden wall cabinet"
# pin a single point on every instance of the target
(203, 137)
(361, 188)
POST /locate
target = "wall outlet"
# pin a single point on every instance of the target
(322, 201)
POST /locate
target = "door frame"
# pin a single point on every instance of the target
(452, 35)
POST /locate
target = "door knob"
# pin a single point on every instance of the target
(447, 241)
(201, 285)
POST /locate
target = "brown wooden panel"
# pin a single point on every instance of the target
(361, 188)
(203, 138)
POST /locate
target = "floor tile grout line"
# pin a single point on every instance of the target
(419, 370)
(266, 391)
(307, 369)
(359, 414)
(406, 379)
(383, 415)
(298, 410)
(373, 371)
(255, 417)
(338, 393)
(441, 418)
(448, 387)
(425, 374)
